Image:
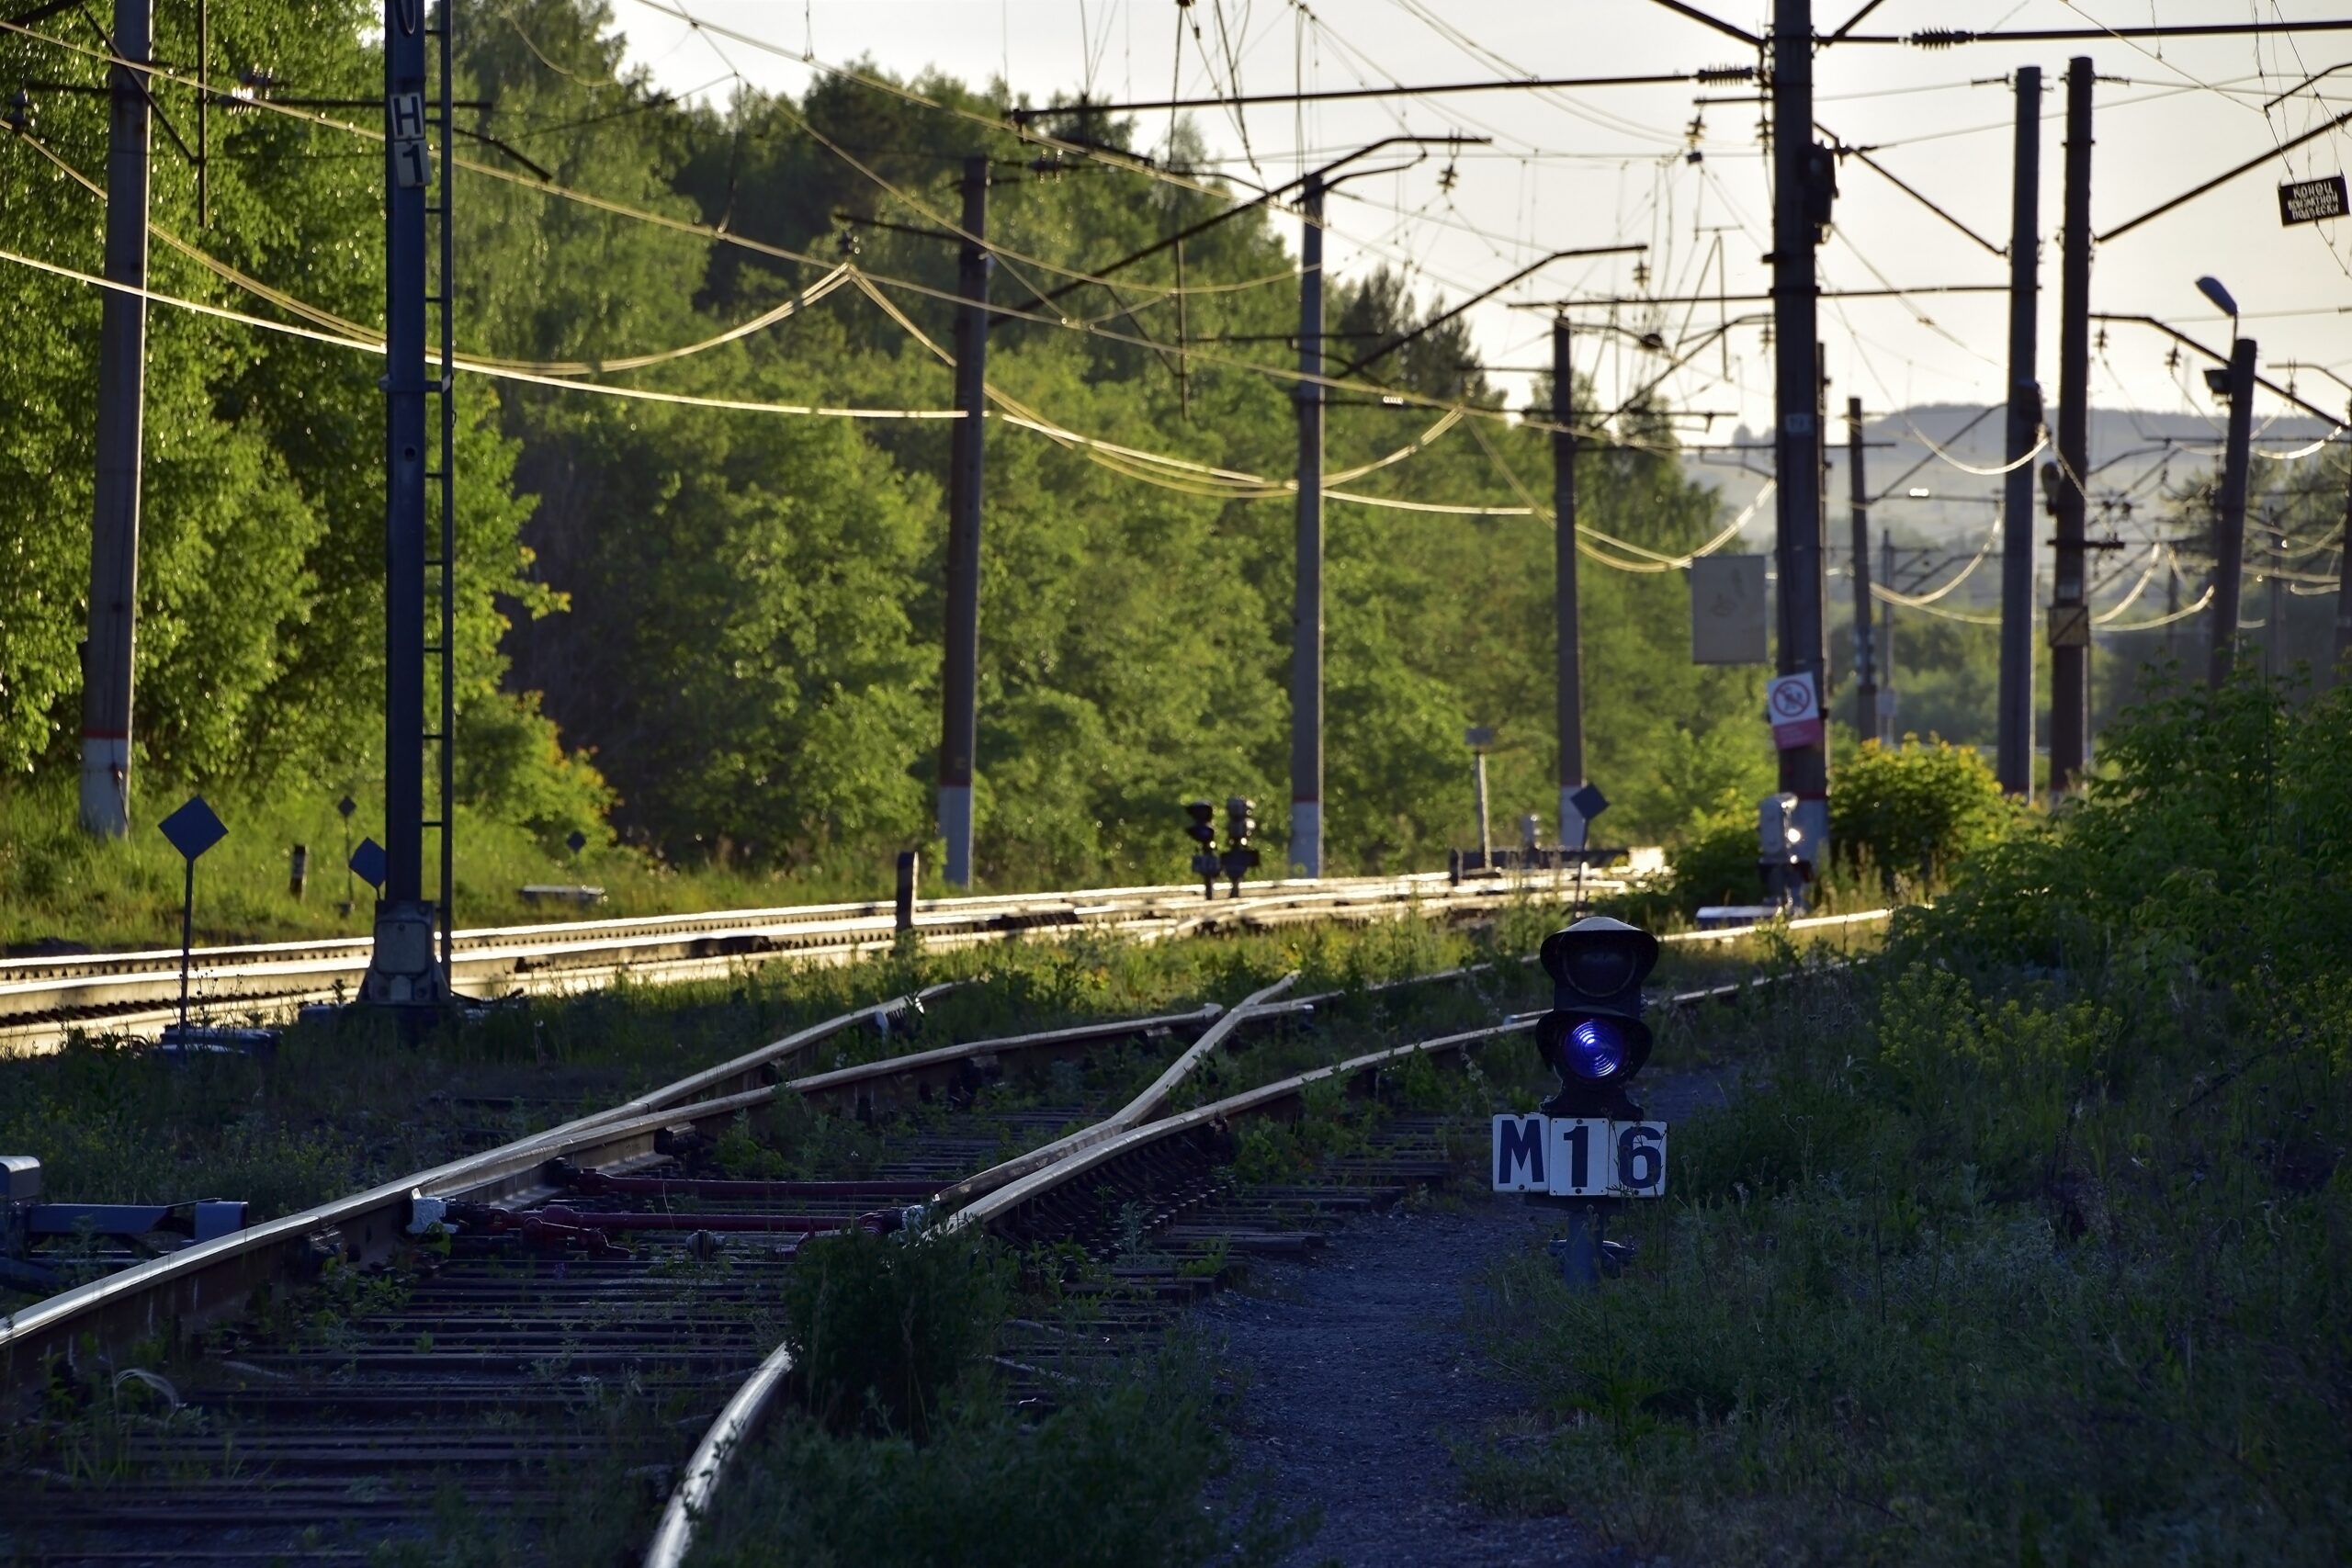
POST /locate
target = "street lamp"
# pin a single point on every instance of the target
(2212, 289)
(2235, 385)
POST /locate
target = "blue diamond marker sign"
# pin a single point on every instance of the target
(193, 828)
(368, 860)
(1589, 802)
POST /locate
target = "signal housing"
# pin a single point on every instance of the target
(1593, 1038)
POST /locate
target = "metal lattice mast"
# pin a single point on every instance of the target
(403, 970)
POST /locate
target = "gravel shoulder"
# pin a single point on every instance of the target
(1356, 1370)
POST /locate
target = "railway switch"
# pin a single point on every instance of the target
(26, 1223)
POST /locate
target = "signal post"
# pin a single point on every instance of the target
(1590, 1149)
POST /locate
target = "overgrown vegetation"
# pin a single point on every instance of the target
(881, 1326)
(1113, 1474)
(905, 1447)
(2031, 1242)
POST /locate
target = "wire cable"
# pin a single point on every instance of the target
(711, 235)
(361, 332)
(1921, 601)
(340, 340)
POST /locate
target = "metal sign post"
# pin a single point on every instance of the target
(344, 808)
(1479, 738)
(1586, 804)
(192, 829)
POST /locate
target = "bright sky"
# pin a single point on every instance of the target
(1609, 166)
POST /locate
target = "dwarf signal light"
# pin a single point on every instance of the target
(1593, 1038)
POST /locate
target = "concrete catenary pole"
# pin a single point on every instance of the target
(959, 679)
(106, 656)
(2344, 579)
(1804, 185)
(2274, 618)
(2014, 730)
(2069, 614)
(1887, 732)
(1307, 618)
(1858, 493)
(1568, 655)
(2229, 516)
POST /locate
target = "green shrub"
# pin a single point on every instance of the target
(880, 1325)
(1112, 1478)
(1716, 863)
(1916, 809)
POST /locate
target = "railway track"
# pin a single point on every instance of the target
(342, 1385)
(45, 1000)
(333, 1384)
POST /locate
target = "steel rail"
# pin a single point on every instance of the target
(696, 923)
(200, 1284)
(617, 1152)
(1136, 1112)
(994, 1203)
(743, 1415)
(127, 993)
(1808, 923)
(185, 1289)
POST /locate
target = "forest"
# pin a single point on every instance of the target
(712, 633)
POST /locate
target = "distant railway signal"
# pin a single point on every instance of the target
(1203, 833)
(1241, 856)
(1780, 850)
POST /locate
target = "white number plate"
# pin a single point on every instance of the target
(1580, 1156)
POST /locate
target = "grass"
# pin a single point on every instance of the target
(1117, 1475)
(57, 885)
(2030, 1243)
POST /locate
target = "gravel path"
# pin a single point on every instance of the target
(1357, 1369)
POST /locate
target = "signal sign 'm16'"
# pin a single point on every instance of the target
(1582, 1157)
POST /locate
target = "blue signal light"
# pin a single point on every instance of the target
(1595, 1050)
